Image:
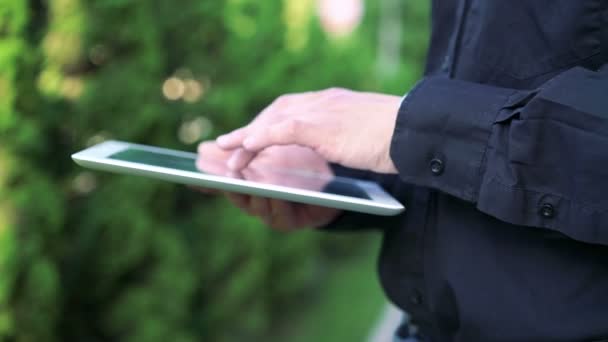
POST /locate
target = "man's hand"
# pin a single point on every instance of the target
(271, 166)
(350, 128)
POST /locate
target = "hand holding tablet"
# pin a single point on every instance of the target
(275, 165)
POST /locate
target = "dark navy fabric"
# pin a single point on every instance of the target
(502, 154)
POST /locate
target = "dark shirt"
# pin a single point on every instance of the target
(502, 153)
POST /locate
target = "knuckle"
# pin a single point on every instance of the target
(297, 127)
(292, 126)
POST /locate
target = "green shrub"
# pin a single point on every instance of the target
(96, 257)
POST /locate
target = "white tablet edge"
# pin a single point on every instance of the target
(97, 157)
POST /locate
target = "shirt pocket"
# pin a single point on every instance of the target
(524, 39)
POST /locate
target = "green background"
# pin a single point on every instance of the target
(88, 256)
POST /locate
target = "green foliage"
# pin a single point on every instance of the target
(97, 257)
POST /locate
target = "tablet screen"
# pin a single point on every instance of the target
(290, 178)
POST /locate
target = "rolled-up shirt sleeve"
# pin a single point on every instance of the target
(535, 158)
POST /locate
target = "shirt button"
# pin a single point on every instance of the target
(547, 210)
(437, 166)
(415, 297)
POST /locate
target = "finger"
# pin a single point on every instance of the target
(259, 206)
(211, 158)
(282, 215)
(267, 116)
(239, 200)
(315, 216)
(211, 167)
(211, 150)
(234, 174)
(240, 159)
(291, 131)
(233, 139)
(205, 191)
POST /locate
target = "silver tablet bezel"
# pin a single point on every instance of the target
(97, 157)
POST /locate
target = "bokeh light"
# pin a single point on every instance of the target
(339, 18)
(183, 85)
(72, 87)
(173, 88)
(49, 81)
(193, 91)
(192, 131)
(296, 16)
(97, 138)
(84, 182)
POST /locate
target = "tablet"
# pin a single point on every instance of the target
(291, 185)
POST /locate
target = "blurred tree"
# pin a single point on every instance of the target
(96, 257)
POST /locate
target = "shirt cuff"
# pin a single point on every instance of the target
(442, 132)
